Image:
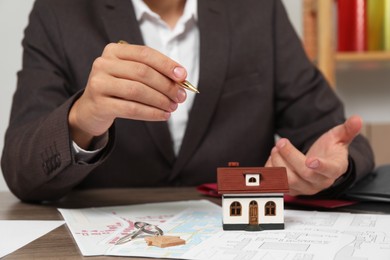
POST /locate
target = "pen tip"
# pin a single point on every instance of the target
(187, 85)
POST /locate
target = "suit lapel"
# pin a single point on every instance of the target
(214, 45)
(120, 23)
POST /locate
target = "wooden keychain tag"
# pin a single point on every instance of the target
(164, 241)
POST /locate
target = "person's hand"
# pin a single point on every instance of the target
(324, 163)
(127, 81)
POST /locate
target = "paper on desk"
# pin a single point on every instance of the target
(97, 229)
(18, 233)
(307, 235)
(194, 225)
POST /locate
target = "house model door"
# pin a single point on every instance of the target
(253, 213)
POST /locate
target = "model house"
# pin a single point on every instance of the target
(252, 197)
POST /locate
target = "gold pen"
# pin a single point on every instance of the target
(185, 84)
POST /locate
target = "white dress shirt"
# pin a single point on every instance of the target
(181, 44)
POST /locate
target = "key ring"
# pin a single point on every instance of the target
(142, 227)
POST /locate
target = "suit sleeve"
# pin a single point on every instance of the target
(306, 106)
(37, 160)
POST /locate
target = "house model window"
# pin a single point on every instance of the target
(235, 209)
(252, 179)
(270, 208)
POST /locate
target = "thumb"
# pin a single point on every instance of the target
(346, 132)
(268, 163)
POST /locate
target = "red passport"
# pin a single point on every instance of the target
(211, 189)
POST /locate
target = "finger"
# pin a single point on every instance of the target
(142, 73)
(297, 184)
(140, 93)
(268, 163)
(330, 170)
(150, 57)
(290, 154)
(133, 100)
(346, 132)
(278, 161)
(137, 111)
(297, 162)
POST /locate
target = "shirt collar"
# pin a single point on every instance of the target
(141, 9)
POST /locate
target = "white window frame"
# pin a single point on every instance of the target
(248, 176)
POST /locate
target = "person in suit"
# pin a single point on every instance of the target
(89, 112)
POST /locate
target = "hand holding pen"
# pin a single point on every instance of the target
(185, 84)
(127, 81)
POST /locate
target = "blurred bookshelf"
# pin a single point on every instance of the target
(320, 41)
(364, 69)
(363, 56)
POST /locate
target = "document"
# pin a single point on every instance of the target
(307, 235)
(18, 233)
(192, 225)
(96, 230)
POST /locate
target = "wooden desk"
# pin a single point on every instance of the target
(59, 244)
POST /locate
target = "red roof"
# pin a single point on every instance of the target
(231, 180)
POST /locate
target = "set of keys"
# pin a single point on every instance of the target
(156, 237)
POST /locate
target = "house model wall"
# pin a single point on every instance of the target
(252, 197)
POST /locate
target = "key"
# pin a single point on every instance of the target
(141, 227)
(129, 237)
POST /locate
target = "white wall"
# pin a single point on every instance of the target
(364, 88)
(13, 19)
(294, 9)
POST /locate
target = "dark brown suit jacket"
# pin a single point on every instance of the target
(255, 81)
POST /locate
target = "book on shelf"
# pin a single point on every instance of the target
(387, 25)
(375, 24)
(363, 25)
(352, 25)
